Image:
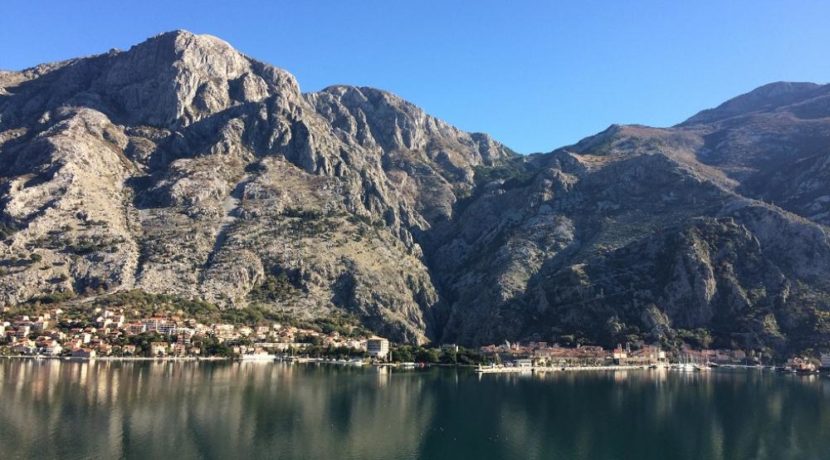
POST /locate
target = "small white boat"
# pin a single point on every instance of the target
(257, 358)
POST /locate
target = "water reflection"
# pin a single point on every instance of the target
(110, 410)
(225, 410)
(718, 415)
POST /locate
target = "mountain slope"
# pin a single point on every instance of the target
(642, 233)
(182, 166)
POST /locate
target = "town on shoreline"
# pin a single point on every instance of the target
(108, 334)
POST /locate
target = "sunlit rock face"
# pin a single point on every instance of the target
(182, 166)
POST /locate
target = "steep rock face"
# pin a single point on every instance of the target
(429, 161)
(70, 198)
(182, 166)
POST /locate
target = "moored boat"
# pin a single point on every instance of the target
(257, 358)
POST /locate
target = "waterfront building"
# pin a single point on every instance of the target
(562, 356)
(449, 348)
(24, 347)
(648, 354)
(290, 346)
(619, 355)
(825, 360)
(49, 346)
(377, 347)
(800, 364)
(178, 349)
(103, 349)
(523, 363)
(158, 348)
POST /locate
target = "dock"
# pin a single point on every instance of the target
(544, 369)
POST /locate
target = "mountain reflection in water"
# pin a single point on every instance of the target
(54, 409)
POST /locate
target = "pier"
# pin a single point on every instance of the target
(544, 369)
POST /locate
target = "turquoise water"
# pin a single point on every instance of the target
(73, 410)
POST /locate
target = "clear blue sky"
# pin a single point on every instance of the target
(536, 75)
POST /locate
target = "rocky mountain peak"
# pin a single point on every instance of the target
(180, 50)
(180, 77)
(168, 81)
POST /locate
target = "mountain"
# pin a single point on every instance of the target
(184, 167)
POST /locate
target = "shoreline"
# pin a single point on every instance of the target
(118, 358)
(546, 369)
(475, 368)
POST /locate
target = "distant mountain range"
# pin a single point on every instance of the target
(184, 167)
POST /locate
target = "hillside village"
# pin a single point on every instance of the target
(112, 333)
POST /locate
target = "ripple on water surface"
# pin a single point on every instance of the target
(80, 410)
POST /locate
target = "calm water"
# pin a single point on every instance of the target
(230, 410)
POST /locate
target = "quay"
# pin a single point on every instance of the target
(543, 369)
